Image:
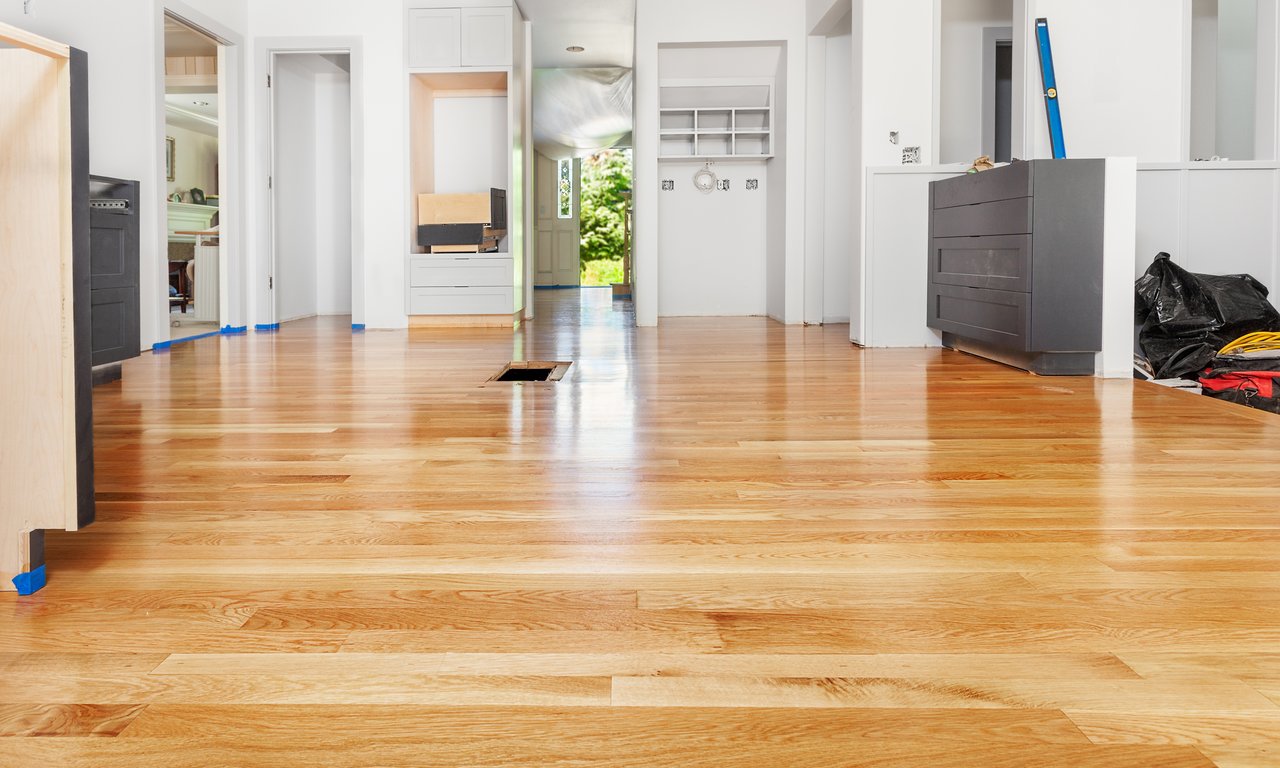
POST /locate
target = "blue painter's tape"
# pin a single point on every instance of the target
(234, 330)
(161, 346)
(31, 583)
(555, 287)
(266, 327)
(357, 327)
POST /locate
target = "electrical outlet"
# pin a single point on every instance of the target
(723, 185)
(910, 155)
(668, 185)
(753, 184)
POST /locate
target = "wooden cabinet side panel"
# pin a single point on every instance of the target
(37, 422)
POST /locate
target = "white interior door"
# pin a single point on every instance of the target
(559, 226)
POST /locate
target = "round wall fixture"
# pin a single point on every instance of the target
(575, 49)
(705, 180)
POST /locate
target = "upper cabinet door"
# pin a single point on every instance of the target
(435, 37)
(486, 37)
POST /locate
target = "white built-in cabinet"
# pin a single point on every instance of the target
(448, 38)
(462, 124)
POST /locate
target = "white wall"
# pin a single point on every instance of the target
(124, 41)
(312, 182)
(661, 22)
(333, 193)
(1118, 67)
(295, 187)
(839, 179)
(1204, 79)
(961, 94)
(471, 144)
(710, 257)
(897, 89)
(196, 163)
(1237, 78)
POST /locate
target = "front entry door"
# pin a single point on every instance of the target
(559, 233)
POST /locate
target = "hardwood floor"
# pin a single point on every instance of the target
(715, 543)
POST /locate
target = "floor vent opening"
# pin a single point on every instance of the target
(519, 372)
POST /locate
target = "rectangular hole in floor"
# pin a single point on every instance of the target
(532, 371)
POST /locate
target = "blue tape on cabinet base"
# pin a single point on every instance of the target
(266, 327)
(31, 583)
(357, 327)
(238, 330)
(161, 346)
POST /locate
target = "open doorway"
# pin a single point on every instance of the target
(312, 266)
(605, 203)
(193, 161)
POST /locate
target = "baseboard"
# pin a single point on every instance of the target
(466, 321)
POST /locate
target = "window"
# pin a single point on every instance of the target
(566, 189)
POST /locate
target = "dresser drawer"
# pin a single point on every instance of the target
(461, 301)
(454, 271)
(1006, 217)
(1004, 183)
(1002, 262)
(1001, 318)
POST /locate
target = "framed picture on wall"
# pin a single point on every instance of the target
(170, 158)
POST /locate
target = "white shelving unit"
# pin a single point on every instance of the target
(716, 120)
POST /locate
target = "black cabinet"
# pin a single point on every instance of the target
(114, 257)
(1015, 264)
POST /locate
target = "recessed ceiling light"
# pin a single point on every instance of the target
(575, 49)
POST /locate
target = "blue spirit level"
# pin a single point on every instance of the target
(1051, 104)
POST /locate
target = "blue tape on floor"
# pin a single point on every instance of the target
(238, 330)
(164, 346)
(555, 287)
(266, 327)
(31, 583)
(355, 327)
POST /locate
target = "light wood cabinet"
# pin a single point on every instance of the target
(46, 403)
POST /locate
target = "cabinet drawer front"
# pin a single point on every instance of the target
(1006, 217)
(1007, 183)
(1002, 262)
(996, 317)
(460, 272)
(461, 301)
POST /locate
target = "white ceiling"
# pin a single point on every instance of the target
(193, 111)
(606, 28)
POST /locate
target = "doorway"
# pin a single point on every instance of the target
(997, 93)
(557, 249)
(312, 268)
(193, 152)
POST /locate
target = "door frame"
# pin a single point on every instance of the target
(231, 185)
(576, 170)
(265, 301)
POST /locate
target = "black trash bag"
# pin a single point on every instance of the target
(1186, 318)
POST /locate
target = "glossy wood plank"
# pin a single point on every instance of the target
(720, 542)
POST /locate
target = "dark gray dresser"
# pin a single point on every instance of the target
(1015, 264)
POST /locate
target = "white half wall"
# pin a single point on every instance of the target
(1213, 219)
